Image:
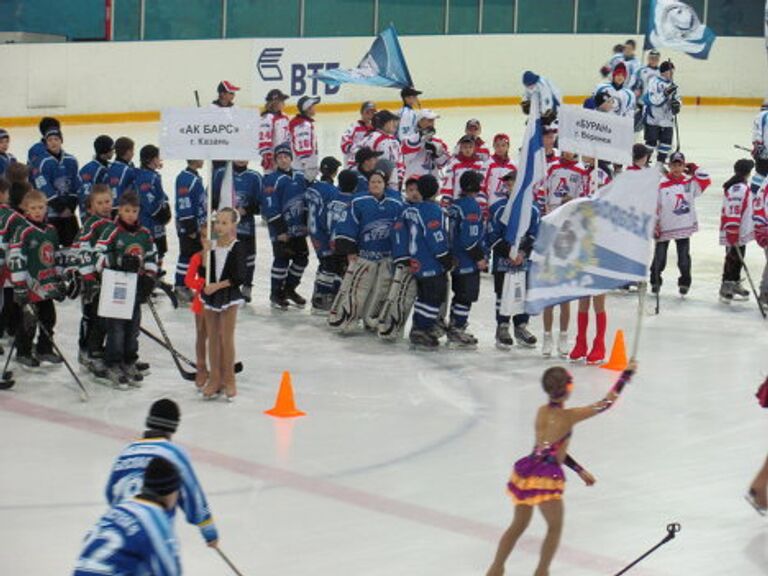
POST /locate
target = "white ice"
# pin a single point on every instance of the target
(400, 465)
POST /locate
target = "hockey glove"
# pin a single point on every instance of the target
(604, 71)
(146, 286)
(548, 117)
(691, 168)
(20, 295)
(131, 263)
(430, 148)
(74, 284)
(675, 106)
(732, 238)
(163, 215)
(526, 106)
(671, 89)
(59, 291)
(90, 291)
(758, 151)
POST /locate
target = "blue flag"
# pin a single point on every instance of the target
(383, 65)
(675, 25)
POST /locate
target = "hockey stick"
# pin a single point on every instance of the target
(677, 135)
(167, 289)
(642, 291)
(751, 284)
(7, 381)
(44, 330)
(740, 147)
(187, 375)
(197, 99)
(186, 360)
(672, 529)
(228, 561)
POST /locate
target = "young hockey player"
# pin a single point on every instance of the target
(382, 139)
(273, 128)
(662, 104)
(36, 264)
(248, 187)
(408, 113)
(364, 237)
(617, 55)
(226, 94)
(155, 210)
(56, 174)
(466, 160)
(304, 138)
(365, 160)
(494, 189)
(430, 261)
(96, 171)
(423, 153)
(736, 229)
(8, 218)
(6, 158)
(356, 133)
(38, 150)
(677, 219)
(760, 148)
(641, 156)
(285, 209)
(760, 222)
(127, 246)
(467, 237)
(190, 214)
(645, 73)
(124, 480)
(473, 129)
(632, 65)
(547, 94)
(502, 263)
(96, 223)
(618, 98)
(319, 196)
(136, 536)
(122, 172)
(17, 176)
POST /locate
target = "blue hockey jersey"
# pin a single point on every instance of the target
(401, 238)
(320, 196)
(94, 172)
(134, 538)
(36, 153)
(467, 233)
(59, 179)
(248, 194)
(368, 225)
(190, 202)
(122, 177)
(495, 238)
(6, 160)
(427, 242)
(154, 202)
(284, 205)
(127, 477)
(337, 211)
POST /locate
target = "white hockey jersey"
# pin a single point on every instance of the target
(676, 208)
(306, 158)
(351, 139)
(546, 93)
(566, 180)
(623, 99)
(658, 102)
(451, 188)
(407, 126)
(491, 191)
(760, 128)
(390, 149)
(420, 160)
(736, 225)
(760, 215)
(273, 131)
(644, 76)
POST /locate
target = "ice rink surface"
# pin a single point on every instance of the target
(401, 463)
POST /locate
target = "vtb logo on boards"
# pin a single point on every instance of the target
(268, 67)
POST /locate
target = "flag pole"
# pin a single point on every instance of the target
(642, 291)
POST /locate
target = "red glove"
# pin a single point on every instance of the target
(604, 71)
(761, 236)
(691, 168)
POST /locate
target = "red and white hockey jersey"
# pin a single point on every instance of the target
(456, 167)
(736, 226)
(481, 150)
(676, 207)
(490, 193)
(566, 180)
(596, 178)
(419, 160)
(760, 215)
(389, 146)
(351, 139)
(273, 131)
(304, 145)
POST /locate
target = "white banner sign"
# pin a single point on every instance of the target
(210, 133)
(117, 297)
(601, 135)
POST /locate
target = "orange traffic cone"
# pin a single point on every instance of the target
(618, 360)
(285, 407)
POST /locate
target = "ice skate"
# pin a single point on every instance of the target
(293, 297)
(459, 338)
(524, 336)
(28, 361)
(50, 357)
(726, 292)
(597, 354)
(562, 345)
(116, 376)
(739, 292)
(547, 345)
(133, 375)
(278, 302)
(684, 290)
(504, 339)
(423, 340)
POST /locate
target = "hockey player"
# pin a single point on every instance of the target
(96, 171)
(56, 174)
(38, 150)
(760, 148)
(645, 73)
(365, 161)
(155, 210)
(226, 94)
(319, 196)
(547, 94)
(6, 158)
(617, 55)
(467, 240)
(364, 237)
(641, 156)
(662, 104)
(408, 113)
(304, 138)
(382, 139)
(474, 129)
(465, 160)
(273, 128)
(285, 209)
(129, 247)
(549, 139)
(736, 229)
(632, 65)
(248, 188)
(356, 133)
(760, 222)
(494, 189)
(677, 219)
(430, 261)
(423, 153)
(122, 172)
(190, 215)
(502, 264)
(35, 264)
(96, 223)
(136, 536)
(614, 96)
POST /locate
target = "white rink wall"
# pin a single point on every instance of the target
(120, 77)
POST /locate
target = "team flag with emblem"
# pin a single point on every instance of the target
(675, 25)
(589, 246)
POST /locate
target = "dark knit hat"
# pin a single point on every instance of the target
(666, 66)
(161, 477)
(347, 181)
(470, 181)
(103, 144)
(48, 122)
(329, 165)
(164, 415)
(283, 148)
(428, 186)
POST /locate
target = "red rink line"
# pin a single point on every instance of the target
(322, 488)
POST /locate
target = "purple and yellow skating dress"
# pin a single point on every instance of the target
(538, 477)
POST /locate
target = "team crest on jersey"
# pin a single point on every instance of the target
(145, 186)
(682, 206)
(183, 191)
(87, 177)
(570, 249)
(47, 254)
(433, 224)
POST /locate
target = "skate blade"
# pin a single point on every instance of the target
(422, 348)
(460, 346)
(504, 347)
